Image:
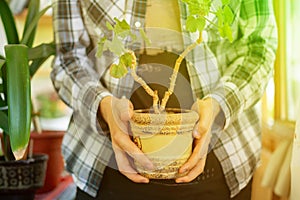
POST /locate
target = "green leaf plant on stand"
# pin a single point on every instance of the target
(196, 22)
(18, 65)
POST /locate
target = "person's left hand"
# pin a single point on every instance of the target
(207, 110)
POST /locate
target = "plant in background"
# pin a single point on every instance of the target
(50, 105)
(199, 10)
(19, 64)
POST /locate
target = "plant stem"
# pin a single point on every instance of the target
(35, 119)
(175, 72)
(139, 80)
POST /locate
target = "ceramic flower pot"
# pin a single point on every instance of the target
(49, 142)
(165, 138)
(20, 179)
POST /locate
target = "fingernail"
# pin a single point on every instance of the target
(196, 134)
(183, 170)
(149, 166)
(145, 180)
(178, 181)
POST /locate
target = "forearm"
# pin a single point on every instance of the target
(73, 74)
(247, 63)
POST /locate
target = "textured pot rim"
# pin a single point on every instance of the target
(36, 158)
(47, 134)
(172, 115)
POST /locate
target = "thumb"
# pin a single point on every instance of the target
(196, 133)
(206, 117)
(126, 110)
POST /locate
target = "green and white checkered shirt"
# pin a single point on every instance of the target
(235, 74)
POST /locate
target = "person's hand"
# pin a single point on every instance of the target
(207, 110)
(117, 112)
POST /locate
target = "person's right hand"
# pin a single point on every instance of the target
(117, 112)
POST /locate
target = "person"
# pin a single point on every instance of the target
(97, 147)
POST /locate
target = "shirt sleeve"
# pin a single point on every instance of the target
(249, 59)
(74, 75)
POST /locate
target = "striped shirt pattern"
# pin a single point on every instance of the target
(235, 74)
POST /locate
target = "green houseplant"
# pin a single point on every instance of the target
(147, 125)
(18, 65)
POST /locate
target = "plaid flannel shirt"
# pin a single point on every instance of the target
(235, 74)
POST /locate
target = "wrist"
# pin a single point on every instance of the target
(216, 106)
(105, 107)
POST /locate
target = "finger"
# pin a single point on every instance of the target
(205, 121)
(205, 110)
(126, 144)
(193, 173)
(194, 158)
(199, 152)
(196, 133)
(125, 109)
(122, 113)
(126, 169)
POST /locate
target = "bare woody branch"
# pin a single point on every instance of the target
(175, 71)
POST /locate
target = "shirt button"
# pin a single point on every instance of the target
(137, 24)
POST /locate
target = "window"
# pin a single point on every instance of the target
(282, 94)
(292, 48)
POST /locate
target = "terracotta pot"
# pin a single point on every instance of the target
(49, 142)
(165, 138)
(20, 179)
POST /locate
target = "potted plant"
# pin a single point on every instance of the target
(161, 132)
(21, 173)
(48, 139)
(44, 140)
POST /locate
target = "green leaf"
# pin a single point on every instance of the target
(2, 62)
(18, 97)
(220, 16)
(144, 37)
(228, 14)
(41, 51)
(198, 7)
(101, 47)
(225, 2)
(221, 31)
(195, 24)
(118, 70)
(39, 55)
(201, 23)
(3, 121)
(194, 10)
(228, 32)
(33, 9)
(2, 101)
(8, 23)
(109, 26)
(122, 28)
(126, 60)
(191, 24)
(4, 81)
(32, 25)
(116, 46)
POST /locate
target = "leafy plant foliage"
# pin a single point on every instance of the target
(196, 21)
(199, 11)
(121, 30)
